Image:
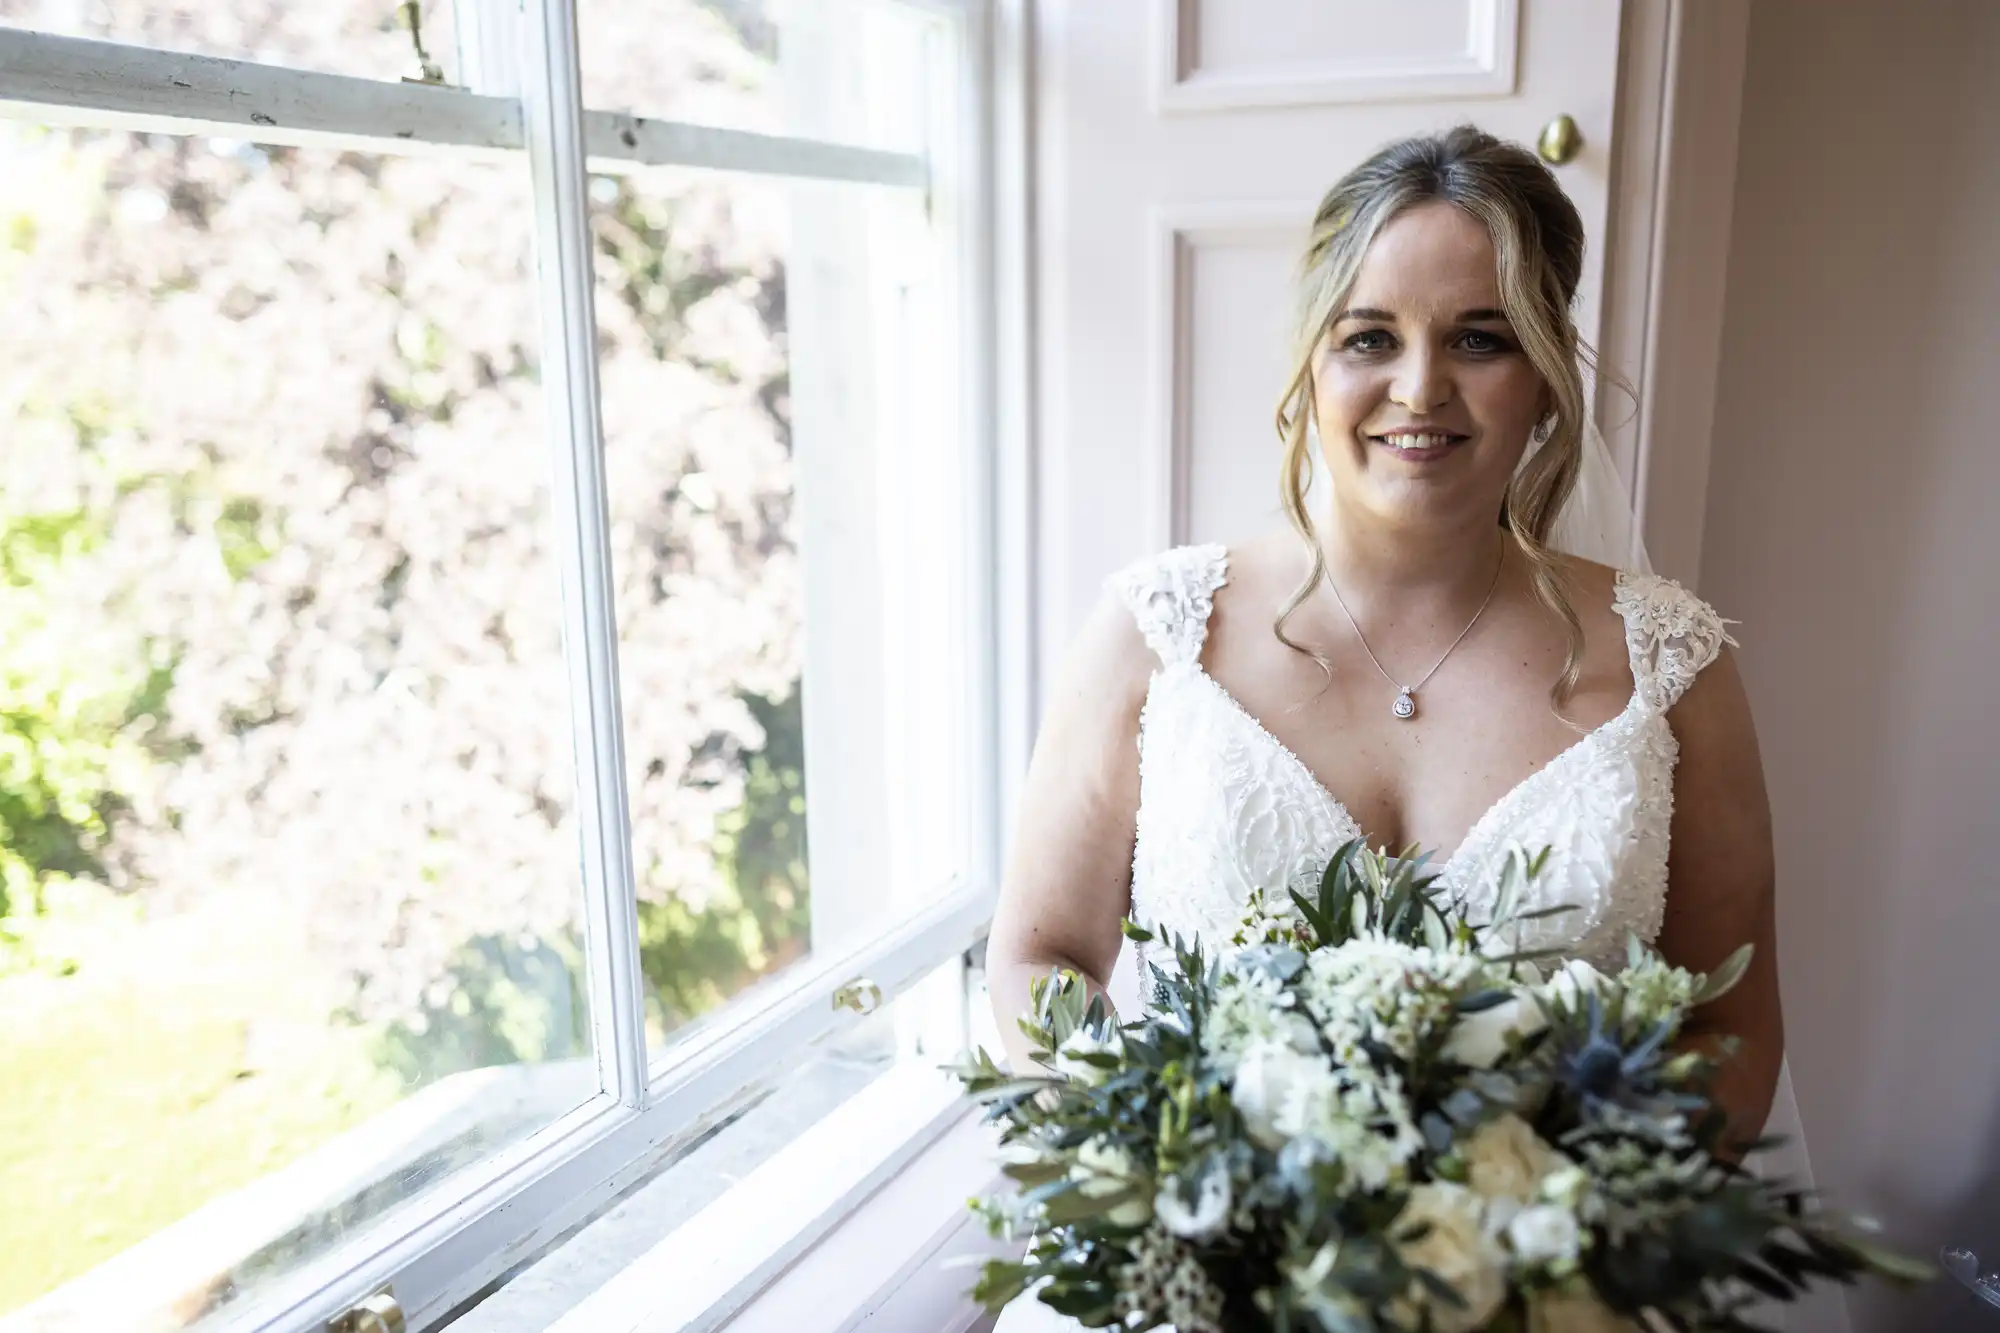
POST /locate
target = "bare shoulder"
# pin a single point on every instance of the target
(1267, 559)
(1109, 661)
(1587, 577)
(1592, 592)
(1591, 587)
(1715, 710)
(1264, 571)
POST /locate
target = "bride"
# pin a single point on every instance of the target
(1427, 660)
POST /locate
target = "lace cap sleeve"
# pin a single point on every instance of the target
(1171, 595)
(1671, 635)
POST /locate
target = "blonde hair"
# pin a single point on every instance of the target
(1538, 243)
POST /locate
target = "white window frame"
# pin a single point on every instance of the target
(523, 95)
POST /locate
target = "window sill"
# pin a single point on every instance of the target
(901, 1263)
(852, 1221)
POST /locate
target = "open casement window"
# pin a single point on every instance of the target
(498, 554)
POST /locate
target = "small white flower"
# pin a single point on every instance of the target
(1250, 1009)
(1081, 1042)
(1567, 1186)
(1103, 1169)
(1574, 983)
(1480, 1040)
(1374, 990)
(1101, 1158)
(1656, 991)
(1544, 1234)
(1455, 1248)
(1210, 1214)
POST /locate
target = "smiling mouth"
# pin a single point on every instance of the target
(1419, 446)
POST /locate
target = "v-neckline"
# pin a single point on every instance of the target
(1472, 833)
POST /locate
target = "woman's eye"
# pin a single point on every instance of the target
(1369, 340)
(1475, 340)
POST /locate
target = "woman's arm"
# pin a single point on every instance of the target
(1720, 889)
(1069, 874)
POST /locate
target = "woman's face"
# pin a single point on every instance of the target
(1423, 397)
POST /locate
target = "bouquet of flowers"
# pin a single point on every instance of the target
(1366, 1114)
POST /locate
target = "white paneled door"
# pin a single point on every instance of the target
(1182, 145)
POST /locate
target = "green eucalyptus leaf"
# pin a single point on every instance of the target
(999, 1282)
(1085, 1300)
(1723, 980)
(1073, 1205)
(1034, 1173)
(1540, 912)
(1014, 1087)
(1895, 1267)
(1437, 935)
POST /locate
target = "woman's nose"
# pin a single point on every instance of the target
(1420, 386)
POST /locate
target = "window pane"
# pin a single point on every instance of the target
(366, 38)
(791, 633)
(288, 859)
(847, 71)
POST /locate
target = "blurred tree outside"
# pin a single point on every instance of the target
(280, 622)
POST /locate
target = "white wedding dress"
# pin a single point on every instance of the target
(1225, 808)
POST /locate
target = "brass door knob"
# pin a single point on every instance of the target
(1560, 141)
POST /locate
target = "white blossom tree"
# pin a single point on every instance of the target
(277, 489)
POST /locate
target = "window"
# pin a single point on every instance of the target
(497, 607)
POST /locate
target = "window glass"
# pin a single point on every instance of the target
(371, 39)
(846, 71)
(763, 395)
(288, 851)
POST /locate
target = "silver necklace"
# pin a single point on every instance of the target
(1405, 706)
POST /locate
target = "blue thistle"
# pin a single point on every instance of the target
(1599, 1071)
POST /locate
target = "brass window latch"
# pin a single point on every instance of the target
(380, 1313)
(861, 995)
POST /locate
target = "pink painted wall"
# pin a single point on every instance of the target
(1853, 526)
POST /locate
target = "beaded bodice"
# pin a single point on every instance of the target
(1225, 808)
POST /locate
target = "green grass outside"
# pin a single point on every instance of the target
(183, 1059)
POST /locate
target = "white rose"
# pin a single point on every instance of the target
(1103, 1169)
(1577, 980)
(1505, 1164)
(1559, 1312)
(1082, 1043)
(1480, 1039)
(1544, 1234)
(1273, 1083)
(1456, 1249)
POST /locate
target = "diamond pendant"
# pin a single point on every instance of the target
(1405, 706)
